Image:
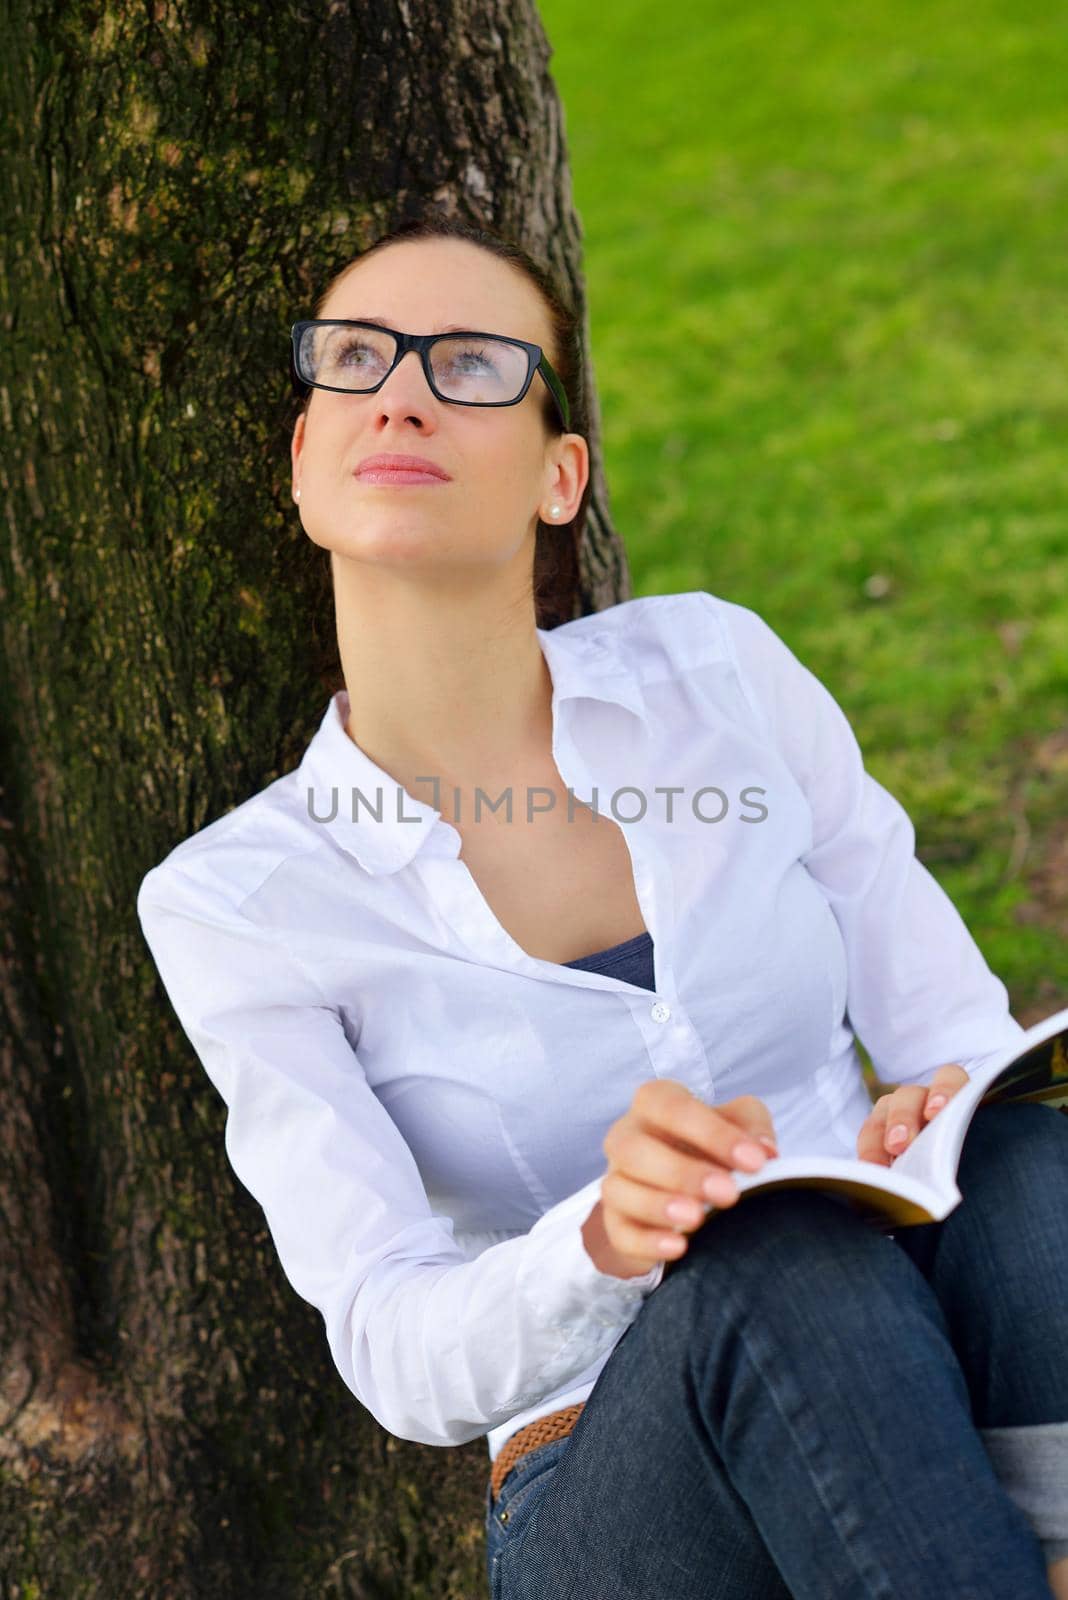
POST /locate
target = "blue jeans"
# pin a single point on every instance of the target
(803, 1408)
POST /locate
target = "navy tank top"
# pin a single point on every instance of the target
(632, 961)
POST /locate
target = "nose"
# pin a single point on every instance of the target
(407, 390)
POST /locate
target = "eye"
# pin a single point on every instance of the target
(467, 360)
(350, 351)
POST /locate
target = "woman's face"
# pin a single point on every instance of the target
(504, 468)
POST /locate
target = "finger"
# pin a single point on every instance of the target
(681, 1121)
(642, 1155)
(655, 1241)
(943, 1086)
(904, 1116)
(748, 1112)
(665, 1209)
(871, 1144)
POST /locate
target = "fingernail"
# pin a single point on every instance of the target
(896, 1135)
(748, 1155)
(720, 1188)
(935, 1101)
(770, 1143)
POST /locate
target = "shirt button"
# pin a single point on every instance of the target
(660, 1012)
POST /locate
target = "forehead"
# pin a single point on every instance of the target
(428, 285)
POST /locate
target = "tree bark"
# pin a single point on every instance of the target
(179, 183)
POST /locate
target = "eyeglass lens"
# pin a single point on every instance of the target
(479, 371)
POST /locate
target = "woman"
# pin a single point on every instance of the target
(425, 1065)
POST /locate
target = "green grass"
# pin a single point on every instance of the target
(825, 257)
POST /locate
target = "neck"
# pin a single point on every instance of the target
(443, 683)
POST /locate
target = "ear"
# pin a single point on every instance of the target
(296, 445)
(568, 475)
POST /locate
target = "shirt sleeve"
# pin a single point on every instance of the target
(920, 993)
(438, 1348)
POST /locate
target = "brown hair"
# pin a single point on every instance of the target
(556, 564)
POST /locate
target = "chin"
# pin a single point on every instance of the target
(384, 541)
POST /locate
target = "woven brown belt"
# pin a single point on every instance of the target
(555, 1426)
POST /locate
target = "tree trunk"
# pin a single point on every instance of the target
(178, 185)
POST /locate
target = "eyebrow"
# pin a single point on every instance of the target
(384, 322)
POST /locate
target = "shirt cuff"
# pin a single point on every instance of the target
(572, 1285)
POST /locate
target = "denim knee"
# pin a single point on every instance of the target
(999, 1264)
(1013, 1179)
(776, 1250)
(1014, 1144)
(790, 1302)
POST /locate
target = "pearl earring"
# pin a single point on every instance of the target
(554, 511)
(296, 494)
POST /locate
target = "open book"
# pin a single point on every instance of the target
(921, 1186)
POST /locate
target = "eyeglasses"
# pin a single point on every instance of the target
(465, 369)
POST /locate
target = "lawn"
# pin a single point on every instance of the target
(825, 253)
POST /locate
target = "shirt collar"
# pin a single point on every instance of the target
(583, 662)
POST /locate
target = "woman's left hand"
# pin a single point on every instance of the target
(897, 1117)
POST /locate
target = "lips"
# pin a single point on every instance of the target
(397, 468)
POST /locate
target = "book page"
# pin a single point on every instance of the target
(1035, 1068)
(920, 1185)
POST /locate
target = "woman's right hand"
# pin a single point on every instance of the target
(670, 1158)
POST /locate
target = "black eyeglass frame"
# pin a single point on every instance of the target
(537, 361)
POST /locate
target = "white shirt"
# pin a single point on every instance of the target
(419, 1106)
